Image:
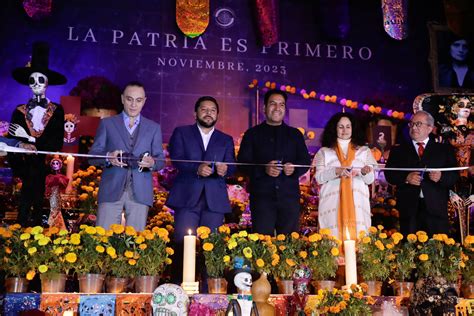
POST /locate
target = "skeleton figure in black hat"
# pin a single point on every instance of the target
(43, 122)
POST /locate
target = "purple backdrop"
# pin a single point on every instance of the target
(139, 40)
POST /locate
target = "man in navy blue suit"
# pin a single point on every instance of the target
(199, 193)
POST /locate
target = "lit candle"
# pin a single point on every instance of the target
(189, 258)
(69, 172)
(350, 259)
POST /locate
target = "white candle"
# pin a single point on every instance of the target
(69, 172)
(68, 313)
(350, 260)
(189, 258)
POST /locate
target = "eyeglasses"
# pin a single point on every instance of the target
(417, 124)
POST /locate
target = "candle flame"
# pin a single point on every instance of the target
(348, 235)
(190, 232)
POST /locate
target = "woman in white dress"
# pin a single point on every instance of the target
(344, 171)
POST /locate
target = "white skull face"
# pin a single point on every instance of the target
(170, 299)
(69, 127)
(38, 83)
(243, 281)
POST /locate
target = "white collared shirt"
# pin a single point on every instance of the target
(205, 137)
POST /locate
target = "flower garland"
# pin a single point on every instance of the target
(332, 99)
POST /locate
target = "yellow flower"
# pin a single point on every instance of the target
(203, 230)
(314, 253)
(143, 246)
(325, 231)
(30, 275)
(139, 239)
(423, 257)
(130, 231)
(247, 252)
(170, 251)
(282, 247)
(281, 237)
(335, 251)
(99, 249)
(390, 246)
(412, 238)
(128, 254)
(100, 230)
(303, 254)
(379, 245)
(260, 263)
(226, 258)
(224, 229)
(208, 246)
(243, 233)
(366, 240)
(132, 262)
(372, 230)
(422, 238)
(253, 237)
(232, 244)
(295, 235)
(58, 250)
(117, 228)
(44, 241)
(290, 262)
(32, 250)
(449, 241)
(383, 236)
(91, 230)
(168, 261)
(43, 268)
(71, 257)
(315, 237)
(111, 251)
(25, 236)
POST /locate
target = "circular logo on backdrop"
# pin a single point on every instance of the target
(225, 17)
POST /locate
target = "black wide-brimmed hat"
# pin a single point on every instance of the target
(39, 63)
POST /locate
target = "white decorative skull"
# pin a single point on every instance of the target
(38, 83)
(170, 300)
(243, 281)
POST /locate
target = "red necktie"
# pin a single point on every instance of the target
(421, 148)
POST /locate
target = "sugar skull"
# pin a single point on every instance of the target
(170, 300)
(38, 83)
(243, 281)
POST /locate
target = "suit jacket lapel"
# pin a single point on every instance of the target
(122, 130)
(197, 137)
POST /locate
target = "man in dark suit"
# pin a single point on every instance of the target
(43, 121)
(274, 189)
(422, 197)
(126, 184)
(199, 193)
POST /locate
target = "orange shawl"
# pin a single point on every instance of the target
(346, 212)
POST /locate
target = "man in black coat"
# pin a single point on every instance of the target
(274, 189)
(422, 197)
(43, 120)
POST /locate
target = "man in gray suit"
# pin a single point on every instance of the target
(135, 145)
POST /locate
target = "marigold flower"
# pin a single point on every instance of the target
(423, 257)
(169, 251)
(168, 261)
(243, 233)
(130, 231)
(253, 237)
(281, 237)
(290, 262)
(30, 275)
(366, 240)
(117, 229)
(71, 257)
(99, 249)
(335, 252)
(260, 263)
(128, 254)
(8, 250)
(132, 262)
(247, 252)
(100, 230)
(90, 230)
(315, 237)
(207, 246)
(226, 258)
(295, 235)
(111, 251)
(43, 268)
(224, 229)
(372, 230)
(303, 254)
(314, 253)
(25, 236)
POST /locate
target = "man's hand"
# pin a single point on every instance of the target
(435, 176)
(147, 162)
(27, 146)
(113, 159)
(273, 170)
(204, 170)
(414, 178)
(343, 172)
(221, 169)
(288, 168)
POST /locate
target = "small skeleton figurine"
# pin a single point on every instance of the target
(243, 305)
(70, 123)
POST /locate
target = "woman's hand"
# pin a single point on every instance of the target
(365, 170)
(343, 172)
